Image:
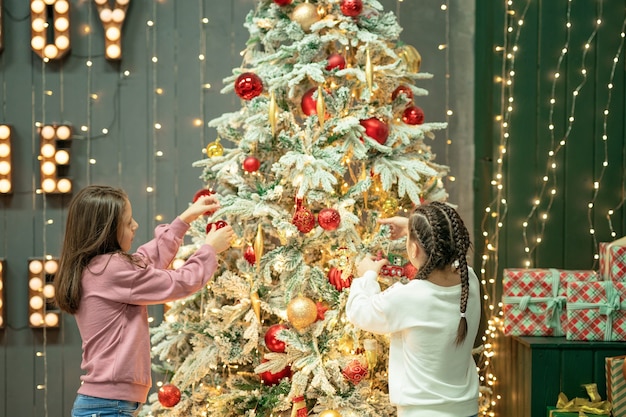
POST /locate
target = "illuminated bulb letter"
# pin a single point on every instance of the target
(54, 158)
(112, 21)
(40, 12)
(5, 159)
(41, 309)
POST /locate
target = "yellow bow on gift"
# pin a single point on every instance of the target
(584, 406)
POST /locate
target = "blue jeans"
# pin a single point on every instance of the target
(86, 406)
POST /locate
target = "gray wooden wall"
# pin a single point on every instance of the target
(101, 96)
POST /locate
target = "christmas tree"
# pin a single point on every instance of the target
(329, 137)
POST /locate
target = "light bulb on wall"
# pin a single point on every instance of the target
(40, 12)
(5, 159)
(54, 158)
(41, 309)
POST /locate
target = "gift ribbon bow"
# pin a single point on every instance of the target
(612, 305)
(554, 304)
(584, 406)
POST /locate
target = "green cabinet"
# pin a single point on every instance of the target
(532, 371)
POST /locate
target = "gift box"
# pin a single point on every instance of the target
(534, 301)
(555, 412)
(596, 311)
(613, 260)
(592, 406)
(616, 384)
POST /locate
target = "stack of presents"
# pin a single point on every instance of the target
(579, 305)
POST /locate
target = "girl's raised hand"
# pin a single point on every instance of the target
(398, 226)
(368, 263)
(204, 204)
(220, 238)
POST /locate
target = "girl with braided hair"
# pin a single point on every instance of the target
(432, 320)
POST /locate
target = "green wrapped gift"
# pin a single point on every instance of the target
(555, 412)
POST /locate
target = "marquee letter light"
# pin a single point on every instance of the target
(112, 21)
(54, 158)
(2, 315)
(42, 311)
(40, 11)
(5, 159)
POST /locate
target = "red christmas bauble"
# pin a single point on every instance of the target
(413, 115)
(410, 271)
(251, 164)
(248, 85)
(169, 395)
(336, 61)
(308, 103)
(335, 277)
(303, 219)
(376, 129)
(328, 219)
(249, 254)
(218, 225)
(282, 2)
(355, 371)
(271, 342)
(269, 378)
(351, 8)
(201, 193)
(402, 89)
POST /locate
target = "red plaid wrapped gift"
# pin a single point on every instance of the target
(613, 260)
(596, 311)
(616, 384)
(534, 300)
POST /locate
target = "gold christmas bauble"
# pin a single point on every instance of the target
(301, 312)
(305, 14)
(390, 207)
(214, 149)
(330, 413)
(411, 58)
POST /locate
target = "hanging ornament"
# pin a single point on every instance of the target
(329, 413)
(303, 219)
(369, 71)
(169, 395)
(201, 193)
(255, 301)
(389, 207)
(218, 225)
(301, 312)
(258, 246)
(320, 107)
(269, 378)
(251, 164)
(355, 371)
(299, 407)
(402, 89)
(282, 2)
(335, 277)
(410, 271)
(248, 85)
(214, 149)
(413, 115)
(308, 103)
(248, 255)
(351, 8)
(271, 341)
(411, 58)
(273, 112)
(328, 219)
(336, 61)
(371, 353)
(305, 14)
(322, 308)
(376, 129)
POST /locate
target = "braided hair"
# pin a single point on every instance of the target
(440, 231)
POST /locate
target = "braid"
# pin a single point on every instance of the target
(462, 243)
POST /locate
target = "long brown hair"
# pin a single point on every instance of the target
(440, 231)
(93, 218)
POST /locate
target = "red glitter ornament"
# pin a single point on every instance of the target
(303, 219)
(271, 342)
(410, 271)
(218, 225)
(308, 103)
(249, 255)
(335, 277)
(328, 219)
(351, 8)
(169, 395)
(413, 115)
(355, 371)
(201, 193)
(376, 129)
(269, 378)
(282, 2)
(251, 164)
(335, 61)
(248, 85)
(402, 89)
